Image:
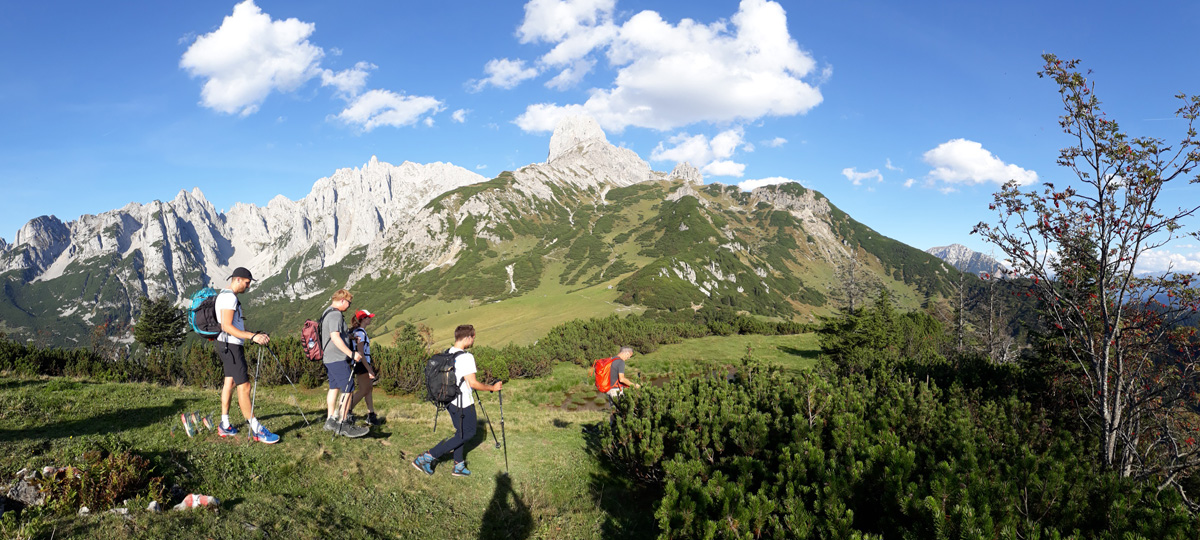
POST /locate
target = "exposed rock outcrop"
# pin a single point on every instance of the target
(965, 259)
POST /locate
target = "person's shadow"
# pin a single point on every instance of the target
(506, 516)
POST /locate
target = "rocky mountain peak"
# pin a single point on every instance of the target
(686, 172)
(572, 132)
(42, 230)
(965, 259)
(44, 238)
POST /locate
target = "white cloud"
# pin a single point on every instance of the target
(552, 21)
(460, 115)
(480, 167)
(891, 167)
(384, 108)
(724, 168)
(1160, 260)
(249, 56)
(726, 142)
(348, 82)
(571, 76)
(544, 117)
(428, 121)
(505, 73)
(671, 75)
(750, 185)
(909, 183)
(775, 143)
(961, 161)
(710, 156)
(856, 178)
(692, 149)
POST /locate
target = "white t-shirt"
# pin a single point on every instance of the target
(464, 365)
(226, 300)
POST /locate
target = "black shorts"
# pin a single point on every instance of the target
(360, 368)
(233, 359)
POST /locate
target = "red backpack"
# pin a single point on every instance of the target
(603, 369)
(310, 338)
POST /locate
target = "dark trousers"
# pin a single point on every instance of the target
(464, 430)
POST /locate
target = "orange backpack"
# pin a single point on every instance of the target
(603, 369)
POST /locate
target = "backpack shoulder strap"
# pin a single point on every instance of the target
(321, 328)
(454, 358)
(237, 305)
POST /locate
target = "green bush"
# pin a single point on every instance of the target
(887, 439)
(773, 456)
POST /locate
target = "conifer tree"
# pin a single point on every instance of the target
(161, 323)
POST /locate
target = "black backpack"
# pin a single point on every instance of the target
(202, 316)
(440, 382)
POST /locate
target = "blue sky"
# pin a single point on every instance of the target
(906, 115)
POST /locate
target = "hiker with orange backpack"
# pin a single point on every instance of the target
(610, 375)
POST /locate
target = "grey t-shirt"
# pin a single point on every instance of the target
(333, 322)
(614, 372)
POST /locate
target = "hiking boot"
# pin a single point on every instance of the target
(351, 419)
(263, 435)
(460, 469)
(226, 431)
(424, 463)
(331, 424)
(352, 431)
(372, 419)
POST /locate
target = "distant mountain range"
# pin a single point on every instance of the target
(965, 260)
(592, 230)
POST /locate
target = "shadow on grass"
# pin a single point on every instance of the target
(481, 428)
(806, 354)
(18, 383)
(296, 418)
(506, 516)
(628, 507)
(114, 421)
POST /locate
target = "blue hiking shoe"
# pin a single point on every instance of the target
(263, 435)
(460, 469)
(424, 463)
(226, 431)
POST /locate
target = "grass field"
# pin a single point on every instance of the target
(313, 486)
(521, 319)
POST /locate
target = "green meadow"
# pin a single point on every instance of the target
(311, 485)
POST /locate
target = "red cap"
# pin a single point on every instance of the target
(363, 314)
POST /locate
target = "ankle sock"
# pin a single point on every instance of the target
(254, 425)
(225, 421)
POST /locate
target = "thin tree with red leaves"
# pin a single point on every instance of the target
(1080, 246)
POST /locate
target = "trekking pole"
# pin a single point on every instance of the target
(502, 435)
(285, 377)
(344, 403)
(485, 417)
(254, 390)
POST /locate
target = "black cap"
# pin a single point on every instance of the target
(242, 272)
